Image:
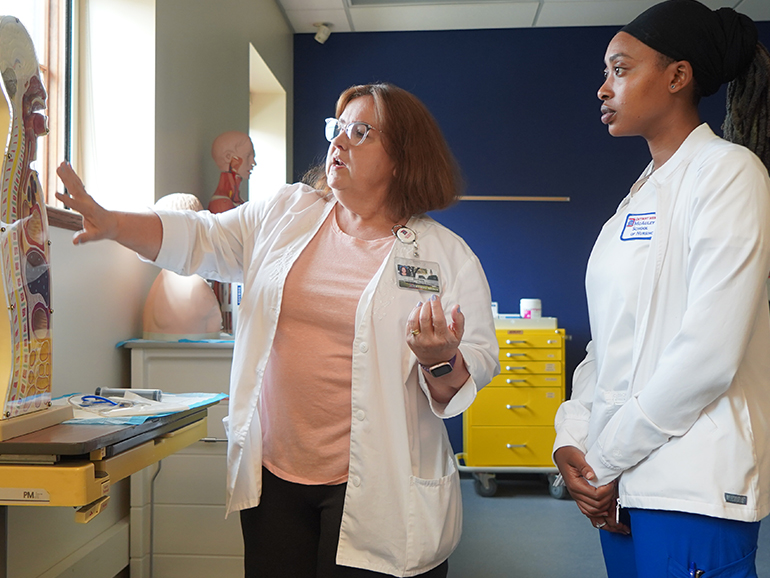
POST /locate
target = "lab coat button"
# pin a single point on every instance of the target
(355, 480)
(364, 347)
(360, 415)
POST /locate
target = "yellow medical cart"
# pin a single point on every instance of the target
(509, 427)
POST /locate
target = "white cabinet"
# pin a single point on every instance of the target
(187, 525)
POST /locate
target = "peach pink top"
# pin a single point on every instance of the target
(305, 402)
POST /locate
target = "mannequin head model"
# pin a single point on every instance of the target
(180, 307)
(233, 151)
(179, 202)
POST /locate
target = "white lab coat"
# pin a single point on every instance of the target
(402, 513)
(692, 433)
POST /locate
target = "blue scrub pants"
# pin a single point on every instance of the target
(670, 544)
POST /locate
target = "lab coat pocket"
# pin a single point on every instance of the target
(743, 568)
(435, 519)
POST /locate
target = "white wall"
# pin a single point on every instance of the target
(202, 83)
(268, 135)
(98, 293)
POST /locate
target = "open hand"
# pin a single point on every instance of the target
(98, 223)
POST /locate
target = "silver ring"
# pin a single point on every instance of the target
(599, 526)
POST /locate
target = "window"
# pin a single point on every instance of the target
(46, 23)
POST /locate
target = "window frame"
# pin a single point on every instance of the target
(56, 71)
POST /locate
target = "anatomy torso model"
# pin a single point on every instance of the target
(25, 327)
(233, 152)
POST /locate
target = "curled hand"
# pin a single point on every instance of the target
(430, 335)
(596, 503)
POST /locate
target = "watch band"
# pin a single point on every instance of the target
(441, 368)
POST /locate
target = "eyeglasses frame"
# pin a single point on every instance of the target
(347, 128)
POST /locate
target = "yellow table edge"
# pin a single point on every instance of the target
(80, 483)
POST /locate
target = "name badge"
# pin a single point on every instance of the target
(638, 227)
(415, 274)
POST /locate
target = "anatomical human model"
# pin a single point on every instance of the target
(181, 307)
(25, 323)
(233, 152)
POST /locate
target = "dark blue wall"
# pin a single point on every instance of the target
(519, 110)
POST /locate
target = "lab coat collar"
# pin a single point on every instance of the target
(688, 149)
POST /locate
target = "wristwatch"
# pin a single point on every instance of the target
(441, 368)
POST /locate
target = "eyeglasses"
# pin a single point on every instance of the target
(356, 131)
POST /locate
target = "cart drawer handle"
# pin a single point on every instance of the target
(511, 446)
(515, 354)
(514, 380)
(509, 406)
(552, 341)
(512, 367)
(511, 342)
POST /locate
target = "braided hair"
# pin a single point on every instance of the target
(748, 107)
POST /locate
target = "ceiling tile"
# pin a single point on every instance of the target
(393, 15)
(591, 12)
(302, 20)
(444, 16)
(313, 4)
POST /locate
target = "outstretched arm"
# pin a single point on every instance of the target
(140, 232)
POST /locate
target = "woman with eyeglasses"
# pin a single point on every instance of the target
(664, 443)
(345, 363)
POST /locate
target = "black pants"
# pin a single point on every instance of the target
(294, 531)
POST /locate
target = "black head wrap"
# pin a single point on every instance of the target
(719, 44)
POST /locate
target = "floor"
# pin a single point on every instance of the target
(522, 532)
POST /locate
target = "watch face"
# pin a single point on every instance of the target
(441, 369)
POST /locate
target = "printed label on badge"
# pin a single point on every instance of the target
(420, 275)
(638, 227)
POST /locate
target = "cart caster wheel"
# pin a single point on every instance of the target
(557, 492)
(485, 485)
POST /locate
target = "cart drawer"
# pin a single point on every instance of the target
(530, 367)
(514, 406)
(529, 338)
(530, 354)
(510, 446)
(526, 381)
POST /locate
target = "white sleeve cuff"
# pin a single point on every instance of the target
(174, 236)
(628, 438)
(570, 437)
(461, 400)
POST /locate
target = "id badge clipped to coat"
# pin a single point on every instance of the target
(417, 274)
(412, 272)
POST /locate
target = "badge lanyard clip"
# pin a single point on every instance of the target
(407, 236)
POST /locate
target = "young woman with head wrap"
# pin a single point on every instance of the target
(664, 444)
